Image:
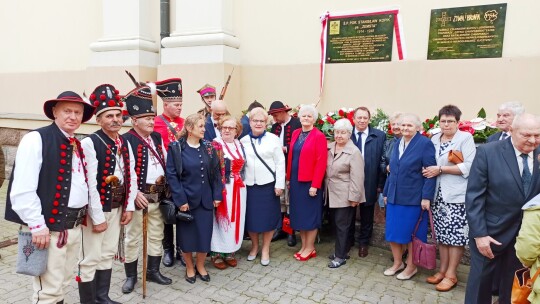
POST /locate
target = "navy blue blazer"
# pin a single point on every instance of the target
(246, 128)
(374, 176)
(405, 184)
(494, 137)
(188, 186)
(209, 131)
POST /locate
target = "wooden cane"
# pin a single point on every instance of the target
(145, 250)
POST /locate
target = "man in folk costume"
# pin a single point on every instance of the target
(113, 185)
(48, 192)
(150, 170)
(169, 124)
(284, 125)
(208, 95)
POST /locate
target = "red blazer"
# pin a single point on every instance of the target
(313, 158)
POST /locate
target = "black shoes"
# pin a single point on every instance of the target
(168, 257)
(87, 292)
(180, 257)
(333, 256)
(291, 240)
(336, 263)
(131, 277)
(191, 280)
(278, 235)
(153, 274)
(205, 277)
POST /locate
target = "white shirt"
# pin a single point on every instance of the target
(530, 160)
(24, 199)
(96, 209)
(282, 134)
(365, 134)
(154, 168)
(271, 152)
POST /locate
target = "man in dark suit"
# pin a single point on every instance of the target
(283, 127)
(505, 117)
(218, 109)
(503, 177)
(246, 128)
(370, 141)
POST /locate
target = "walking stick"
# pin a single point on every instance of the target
(145, 250)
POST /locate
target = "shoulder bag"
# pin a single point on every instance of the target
(262, 161)
(424, 254)
(522, 286)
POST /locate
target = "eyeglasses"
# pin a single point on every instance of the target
(447, 122)
(228, 128)
(258, 121)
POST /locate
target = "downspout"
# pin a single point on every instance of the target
(165, 11)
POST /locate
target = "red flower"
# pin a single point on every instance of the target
(320, 121)
(431, 125)
(331, 120)
(427, 119)
(350, 116)
(341, 113)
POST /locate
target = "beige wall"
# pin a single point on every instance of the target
(46, 51)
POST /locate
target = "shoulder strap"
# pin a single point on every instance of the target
(169, 125)
(535, 276)
(430, 224)
(262, 161)
(161, 162)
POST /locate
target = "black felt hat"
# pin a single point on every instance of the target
(105, 97)
(68, 96)
(278, 106)
(139, 102)
(169, 89)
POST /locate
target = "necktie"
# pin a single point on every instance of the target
(504, 136)
(359, 141)
(526, 175)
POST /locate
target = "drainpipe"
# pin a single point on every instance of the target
(165, 9)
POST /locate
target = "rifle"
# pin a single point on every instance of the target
(145, 250)
(224, 89)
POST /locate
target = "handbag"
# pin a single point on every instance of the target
(522, 286)
(30, 260)
(286, 227)
(424, 254)
(455, 156)
(171, 214)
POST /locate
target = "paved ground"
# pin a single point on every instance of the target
(285, 280)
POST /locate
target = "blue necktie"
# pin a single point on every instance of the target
(504, 136)
(526, 176)
(359, 141)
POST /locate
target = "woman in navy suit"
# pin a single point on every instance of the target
(407, 192)
(194, 178)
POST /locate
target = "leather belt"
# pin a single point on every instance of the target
(153, 188)
(74, 217)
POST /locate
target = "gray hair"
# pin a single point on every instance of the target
(413, 118)
(218, 104)
(343, 124)
(310, 108)
(257, 111)
(395, 116)
(524, 118)
(514, 106)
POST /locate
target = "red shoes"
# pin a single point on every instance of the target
(300, 258)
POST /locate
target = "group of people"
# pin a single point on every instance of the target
(232, 176)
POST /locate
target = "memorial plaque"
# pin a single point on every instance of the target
(360, 39)
(467, 32)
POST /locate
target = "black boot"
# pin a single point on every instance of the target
(153, 274)
(103, 284)
(131, 277)
(180, 256)
(87, 292)
(168, 246)
(61, 302)
(278, 235)
(291, 240)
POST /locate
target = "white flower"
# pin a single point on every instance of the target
(330, 113)
(434, 131)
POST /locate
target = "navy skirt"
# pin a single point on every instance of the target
(401, 221)
(263, 209)
(196, 236)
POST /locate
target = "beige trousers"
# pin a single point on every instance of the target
(284, 200)
(50, 287)
(99, 249)
(155, 232)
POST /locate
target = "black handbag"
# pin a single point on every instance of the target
(171, 213)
